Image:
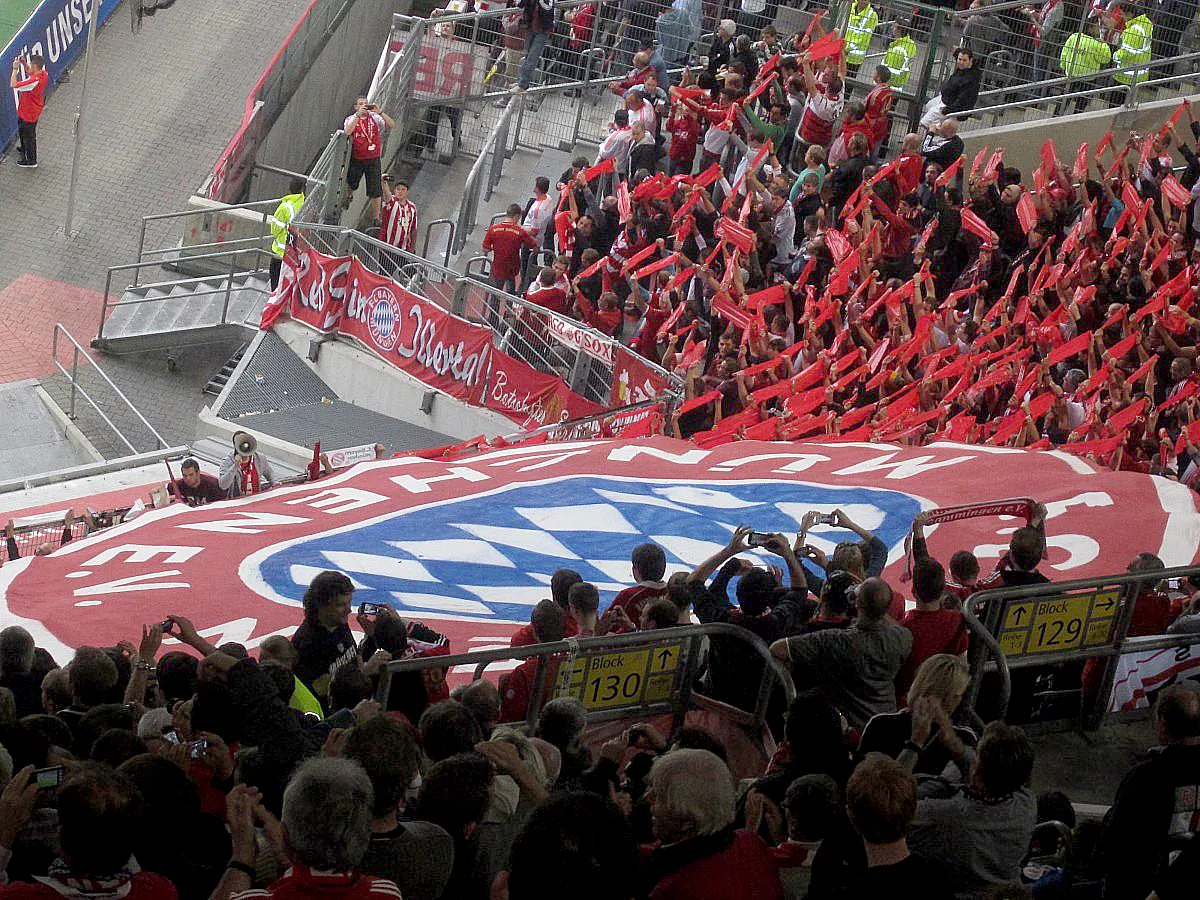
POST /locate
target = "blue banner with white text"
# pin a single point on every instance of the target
(58, 31)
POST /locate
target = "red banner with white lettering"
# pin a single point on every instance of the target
(420, 338)
(634, 380)
(417, 336)
(529, 397)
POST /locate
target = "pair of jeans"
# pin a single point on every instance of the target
(535, 44)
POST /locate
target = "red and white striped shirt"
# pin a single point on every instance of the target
(399, 224)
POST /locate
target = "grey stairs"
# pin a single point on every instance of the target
(182, 313)
(217, 383)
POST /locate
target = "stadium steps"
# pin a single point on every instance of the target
(217, 383)
(191, 311)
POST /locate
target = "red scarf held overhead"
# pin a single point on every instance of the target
(249, 471)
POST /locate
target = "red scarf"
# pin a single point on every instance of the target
(249, 476)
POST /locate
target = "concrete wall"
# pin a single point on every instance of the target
(1022, 142)
(342, 72)
(365, 380)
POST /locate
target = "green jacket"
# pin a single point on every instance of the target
(898, 58)
(1082, 55)
(860, 25)
(284, 213)
(1134, 51)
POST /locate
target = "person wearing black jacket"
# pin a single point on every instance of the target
(721, 49)
(1155, 802)
(959, 91)
(765, 609)
(324, 642)
(941, 144)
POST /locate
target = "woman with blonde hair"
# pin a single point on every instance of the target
(937, 690)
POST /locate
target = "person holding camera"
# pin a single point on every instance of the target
(28, 80)
(365, 128)
(245, 470)
(765, 608)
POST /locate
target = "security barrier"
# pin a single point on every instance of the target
(1050, 625)
(623, 677)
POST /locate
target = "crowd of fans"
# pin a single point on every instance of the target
(757, 230)
(207, 772)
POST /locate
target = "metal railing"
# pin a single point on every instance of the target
(551, 343)
(226, 288)
(171, 246)
(485, 174)
(987, 614)
(560, 653)
(72, 374)
(328, 189)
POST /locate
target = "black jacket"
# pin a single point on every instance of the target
(961, 89)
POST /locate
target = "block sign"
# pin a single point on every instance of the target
(613, 679)
(1054, 624)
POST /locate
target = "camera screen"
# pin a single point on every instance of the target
(49, 778)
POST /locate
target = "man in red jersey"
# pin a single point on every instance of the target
(365, 128)
(649, 564)
(29, 81)
(399, 216)
(504, 241)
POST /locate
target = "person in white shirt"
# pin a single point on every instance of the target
(616, 145)
(640, 110)
(539, 214)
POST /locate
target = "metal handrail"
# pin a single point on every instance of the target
(480, 659)
(450, 274)
(449, 240)
(75, 386)
(135, 267)
(267, 206)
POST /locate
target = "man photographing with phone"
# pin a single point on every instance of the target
(28, 79)
(365, 129)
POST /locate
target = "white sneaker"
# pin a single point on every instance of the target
(22, 165)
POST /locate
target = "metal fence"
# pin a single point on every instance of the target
(1047, 630)
(551, 343)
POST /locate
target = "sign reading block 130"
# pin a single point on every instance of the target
(611, 679)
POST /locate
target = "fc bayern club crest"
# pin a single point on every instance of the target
(469, 546)
(382, 320)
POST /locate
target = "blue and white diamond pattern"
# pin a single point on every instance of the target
(490, 556)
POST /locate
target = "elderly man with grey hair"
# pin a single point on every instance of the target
(721, 50)
(326, 828)
(702, 854)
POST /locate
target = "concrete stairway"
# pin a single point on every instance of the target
(180, 313)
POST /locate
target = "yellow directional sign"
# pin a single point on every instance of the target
(611, 679)
(1053, 624)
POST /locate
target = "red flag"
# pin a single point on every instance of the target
(826, 45)
(1175, 116)
(978, 227)
(639, 257)
(1177, 195)
(1049, 158)
(624, 203)
(977, 162)
(1144, 369)
(1120, 348)
(702, 400)
(736, 234)
(878, 354)
(1130, 197)
(730, 311)
(951, 171)
(1098, 448)
(709, 176)
(1070, 348)
(1026, 212)
(605, 165)
(657, 266)
(1118, 422)
(1105, 142)
(838, 244)
(1161, 257)
(1079, 170)
(992, 169)
(767, 297)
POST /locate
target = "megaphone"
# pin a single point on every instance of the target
(244, 443)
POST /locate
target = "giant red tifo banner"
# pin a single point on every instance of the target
(468, 545)
(418, 337)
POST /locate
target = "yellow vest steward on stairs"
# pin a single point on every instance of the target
(284, 213)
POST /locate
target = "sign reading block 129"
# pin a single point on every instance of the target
(1053, 624)
(612, 679)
